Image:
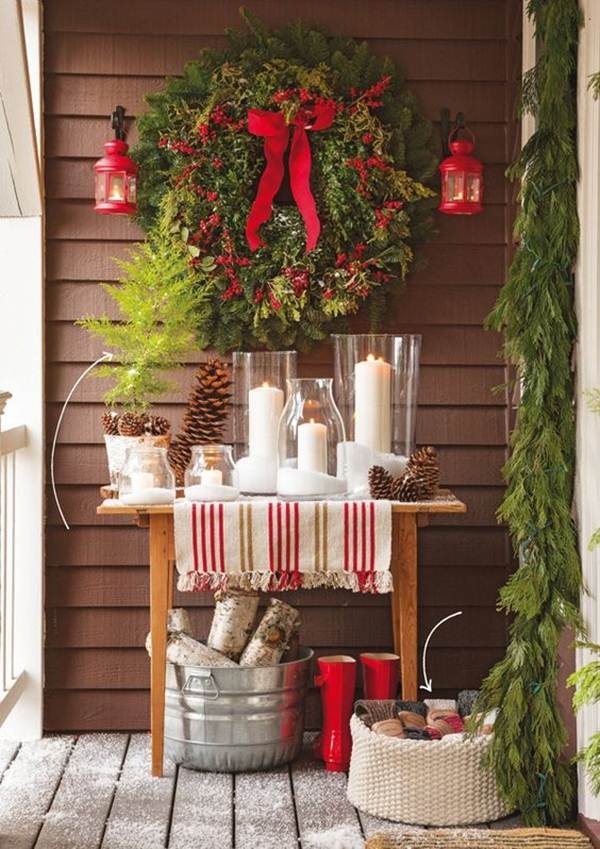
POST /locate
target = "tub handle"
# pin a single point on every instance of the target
(208, 686)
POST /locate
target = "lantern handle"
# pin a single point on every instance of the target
(462, 127)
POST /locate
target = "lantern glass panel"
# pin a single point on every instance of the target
(116, 182)
(474, 188)
(455, 185)
(100, 188)
(132, 189)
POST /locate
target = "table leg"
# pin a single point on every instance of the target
(404, 599)
(160, 574)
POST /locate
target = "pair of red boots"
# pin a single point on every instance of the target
(337, 681)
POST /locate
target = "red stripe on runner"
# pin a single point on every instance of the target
(288, 534)
(297, 536)
(372, 507)
(221, 538)
(203, 534)
(279, 536)
(346, 531)
(195, 536)
(355, 536)
(213, 556)
(363, 510)
(270, 535)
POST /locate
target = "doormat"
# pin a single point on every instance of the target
(474, 838)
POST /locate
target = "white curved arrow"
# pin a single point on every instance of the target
(105, 356)
(428, 685)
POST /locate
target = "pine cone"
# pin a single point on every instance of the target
(423, 466)
(110, 423)
(380, 482)
(179, 455)
(157, 426)
(208, 406)
(406, 488)
(131, 424)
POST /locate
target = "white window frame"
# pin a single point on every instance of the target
(22, 339)
(587, 490)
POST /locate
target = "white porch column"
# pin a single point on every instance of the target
(588, 362)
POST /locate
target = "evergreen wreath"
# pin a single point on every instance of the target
(200, 169)
(536, 312)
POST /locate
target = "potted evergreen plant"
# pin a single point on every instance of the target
(156, 296)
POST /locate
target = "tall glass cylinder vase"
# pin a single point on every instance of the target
(376, 383)
(310, 431)
(260, 381)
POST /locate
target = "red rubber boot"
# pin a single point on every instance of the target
(380, 674)
(337, 680)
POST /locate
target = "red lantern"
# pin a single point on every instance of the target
(462, 177)
(116, 174)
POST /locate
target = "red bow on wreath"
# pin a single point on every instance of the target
(273, 127)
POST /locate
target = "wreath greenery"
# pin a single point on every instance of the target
(200, 168)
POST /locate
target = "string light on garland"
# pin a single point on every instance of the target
(536, 313)
(116, 173)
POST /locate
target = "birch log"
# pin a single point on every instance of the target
(179, 621)
(184, 650)
(273, 635)
(235, 612)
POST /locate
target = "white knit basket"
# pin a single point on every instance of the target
(422, 782)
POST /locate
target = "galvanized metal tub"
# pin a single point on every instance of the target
(236, 719)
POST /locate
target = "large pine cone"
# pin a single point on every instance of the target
(131, 424)
(406, 488)
(179, 455)
(110, 423)
(380, 482)
(208, 407)
(424, 468)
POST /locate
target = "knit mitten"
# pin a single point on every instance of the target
(413, 707)
(466, 701)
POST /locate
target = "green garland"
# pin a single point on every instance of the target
(200, 166)
(536, 312)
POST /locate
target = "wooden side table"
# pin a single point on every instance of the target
(159, 521)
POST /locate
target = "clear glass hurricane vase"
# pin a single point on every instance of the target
(310, 431)
(146, 477)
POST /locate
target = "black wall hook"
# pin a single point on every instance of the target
(446, 125)
(118, 122)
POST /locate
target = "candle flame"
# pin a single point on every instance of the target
(371, 358)
(265, 383)
(312, 421)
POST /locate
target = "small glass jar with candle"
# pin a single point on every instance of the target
(376, 383)
(211, 474)
(146, 477)
(260, 380)
(310, 430)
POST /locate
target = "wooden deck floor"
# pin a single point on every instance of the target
(94, 792)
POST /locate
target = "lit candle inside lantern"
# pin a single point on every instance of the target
(265, 404)
(117, 187)
(312, 447)
(372, 404)
(211, 477)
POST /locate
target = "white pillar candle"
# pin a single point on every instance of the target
(142, 480)
(265, 404)
(312, 447)
(372, 404)
(210, 477)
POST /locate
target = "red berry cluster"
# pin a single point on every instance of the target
(229, 262)
(372, 97)
(361, 271)
(384, 214)
(363, 167)
(221, 118)
(299, 278)
(177, 145)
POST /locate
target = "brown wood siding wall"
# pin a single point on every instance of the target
(463, 54)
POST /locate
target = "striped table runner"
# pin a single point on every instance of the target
(284, 545)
